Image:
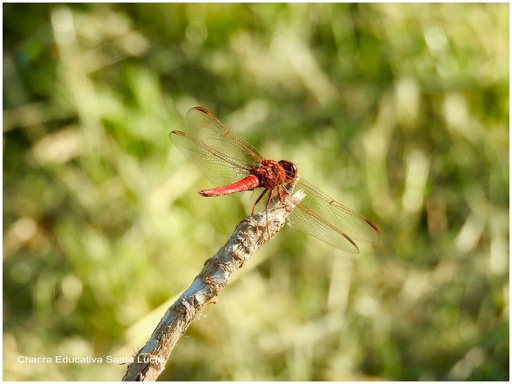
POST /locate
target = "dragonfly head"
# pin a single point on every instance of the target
(290, 169)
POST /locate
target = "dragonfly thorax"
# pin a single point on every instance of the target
(271, 173)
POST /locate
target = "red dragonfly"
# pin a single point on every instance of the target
(236, 166)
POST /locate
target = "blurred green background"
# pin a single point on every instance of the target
(398, 111)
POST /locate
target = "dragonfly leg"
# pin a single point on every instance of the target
(266, 209)
(266, 205)
(258, 200)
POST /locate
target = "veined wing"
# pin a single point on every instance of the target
(221, 156)
(217, 167)
(320, 216)
(211, 131)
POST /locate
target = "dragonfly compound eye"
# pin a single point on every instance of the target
(290, 168)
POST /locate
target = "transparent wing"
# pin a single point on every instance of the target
(218, 168)
(221, 156)
(320, 216)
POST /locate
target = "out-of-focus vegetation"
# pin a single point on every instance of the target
(398, 111)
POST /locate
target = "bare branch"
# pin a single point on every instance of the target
(248, 236)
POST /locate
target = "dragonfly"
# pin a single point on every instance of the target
(235, 166)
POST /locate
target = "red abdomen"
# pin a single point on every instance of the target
(246, 184)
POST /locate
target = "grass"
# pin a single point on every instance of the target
(398, 111)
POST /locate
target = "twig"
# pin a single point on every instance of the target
(248, 236)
